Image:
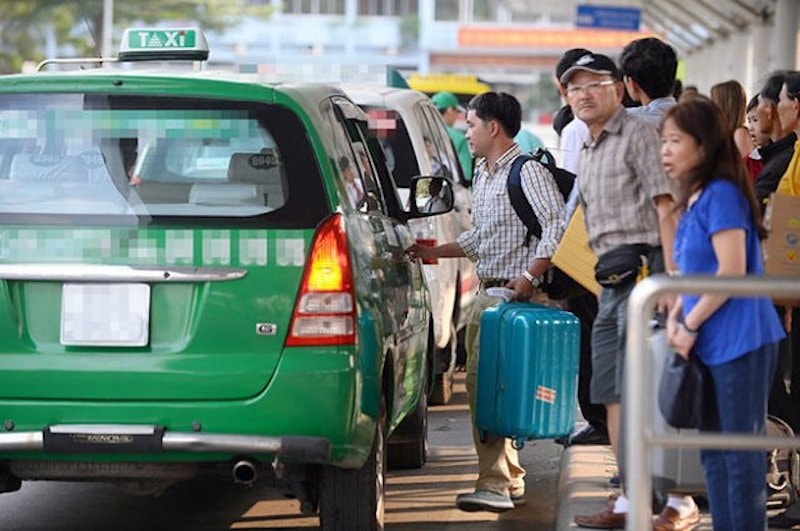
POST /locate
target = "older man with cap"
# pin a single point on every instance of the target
(627, 202)
(450, 109)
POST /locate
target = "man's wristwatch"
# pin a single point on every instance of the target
(535, 281)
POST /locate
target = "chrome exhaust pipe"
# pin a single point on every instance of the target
(244, 472)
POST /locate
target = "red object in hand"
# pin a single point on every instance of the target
(428, 242)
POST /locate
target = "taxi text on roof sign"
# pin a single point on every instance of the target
(148, 39)
(147, 44)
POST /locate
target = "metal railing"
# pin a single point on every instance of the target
(639, 437)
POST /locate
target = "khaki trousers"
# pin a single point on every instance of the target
(498, 462)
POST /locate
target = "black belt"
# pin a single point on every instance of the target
(494, 283)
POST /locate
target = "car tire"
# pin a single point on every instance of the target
(443, 381)
(355, 499)
(412, 452)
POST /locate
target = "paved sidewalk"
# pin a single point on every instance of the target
(583, 486)
(583, 483)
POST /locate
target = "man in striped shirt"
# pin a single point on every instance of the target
(496, 243)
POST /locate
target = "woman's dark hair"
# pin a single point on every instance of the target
(793, 85)
(498, 106)
(563, 117)
(752, 104)
(677, 88)
(731, 100)
(701, 119)
(772, 86)
(652, 63)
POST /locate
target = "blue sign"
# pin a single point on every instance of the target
(608, 17)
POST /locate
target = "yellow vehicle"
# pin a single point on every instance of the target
(464, 86)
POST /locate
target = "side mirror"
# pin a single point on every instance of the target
(430, 196)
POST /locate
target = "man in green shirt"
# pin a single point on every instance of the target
(448, 105)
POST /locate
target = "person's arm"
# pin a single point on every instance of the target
(646, 157)
(522, 286)
(667, 225)
(446, 250)
(730, 250)
(674, 320)
(541, 191)
(655, 183)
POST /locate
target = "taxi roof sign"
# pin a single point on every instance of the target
(161, 44)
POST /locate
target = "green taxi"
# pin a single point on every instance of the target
(199, 270)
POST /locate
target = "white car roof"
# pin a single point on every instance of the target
(390, 97)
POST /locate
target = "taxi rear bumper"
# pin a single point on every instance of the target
(128, 439)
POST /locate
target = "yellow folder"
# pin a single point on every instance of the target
(574, 257)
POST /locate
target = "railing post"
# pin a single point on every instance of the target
(638, 434)
(636, 401)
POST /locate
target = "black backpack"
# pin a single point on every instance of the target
(557, 284)
(565, 180)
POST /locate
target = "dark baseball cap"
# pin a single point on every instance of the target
(595, 63)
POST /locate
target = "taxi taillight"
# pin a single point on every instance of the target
(324, 313)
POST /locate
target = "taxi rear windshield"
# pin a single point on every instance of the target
(67, 158)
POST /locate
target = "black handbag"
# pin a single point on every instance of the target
(559, 286)
(621, 265)
(680, 391)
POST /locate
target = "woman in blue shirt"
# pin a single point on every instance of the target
(734, 337)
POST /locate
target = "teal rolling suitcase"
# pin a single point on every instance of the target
(527, 372)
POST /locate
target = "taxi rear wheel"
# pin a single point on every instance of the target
(355, 499)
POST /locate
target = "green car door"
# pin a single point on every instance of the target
(395, 280)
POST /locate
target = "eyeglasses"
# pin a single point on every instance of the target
(592, 88)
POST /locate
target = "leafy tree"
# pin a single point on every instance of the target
(545, 95)
(77, 24)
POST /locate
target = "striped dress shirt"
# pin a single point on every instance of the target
(496, 242)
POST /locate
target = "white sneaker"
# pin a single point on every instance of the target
(519, 498)
(484, 500)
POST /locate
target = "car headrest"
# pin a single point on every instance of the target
(255, 168)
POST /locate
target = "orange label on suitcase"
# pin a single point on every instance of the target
(545, 394)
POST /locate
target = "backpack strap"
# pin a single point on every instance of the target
(565, 180)
(519, 202)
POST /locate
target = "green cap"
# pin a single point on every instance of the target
(445, 100)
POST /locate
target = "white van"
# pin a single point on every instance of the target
(416, 142)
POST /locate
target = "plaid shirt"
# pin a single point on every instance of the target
(496, 240)
(620, 176)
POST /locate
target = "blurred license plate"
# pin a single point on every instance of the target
(105, 314)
